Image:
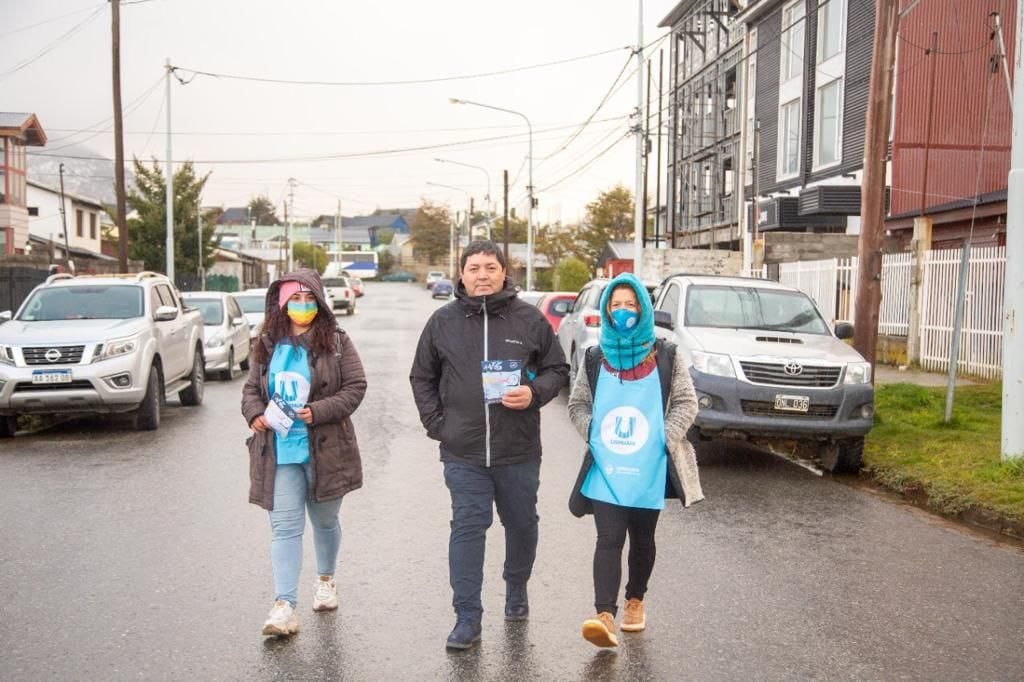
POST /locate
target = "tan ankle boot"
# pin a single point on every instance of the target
(600, 630)
(633, 618)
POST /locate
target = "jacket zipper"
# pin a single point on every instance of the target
(487, 407)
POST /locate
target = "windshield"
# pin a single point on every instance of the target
(752, 308)
(252, 304)
(102, 302)
(212, 309)
(335, 282)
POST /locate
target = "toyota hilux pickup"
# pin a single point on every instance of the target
(100, 344)
(768, 369)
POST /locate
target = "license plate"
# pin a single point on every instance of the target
(51, 376)
(792, 403)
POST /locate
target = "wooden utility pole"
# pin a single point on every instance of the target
(872, 204)
(122, 224)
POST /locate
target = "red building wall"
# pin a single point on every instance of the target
(967, 92)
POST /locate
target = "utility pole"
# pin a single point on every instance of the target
(638, 218)
(169, 243)
(646, 156)
(64, 217)
(469, 221)
(337, 233)
(506, 224)
(288, 225)
(1013, 295)
(122, 223)
(872, 209)
(199, 246)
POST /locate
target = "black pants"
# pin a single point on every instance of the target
(613, 523)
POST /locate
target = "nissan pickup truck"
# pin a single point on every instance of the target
(768, 369)
(100, 344)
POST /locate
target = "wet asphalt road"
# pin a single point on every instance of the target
(130, 555)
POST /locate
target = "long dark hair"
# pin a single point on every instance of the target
(320, 338)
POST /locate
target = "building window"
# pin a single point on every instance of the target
(728, 177)
(793, 40)
(33, 211)
(828, 126)
(92, 226)
(831, 17)
(79, 223)
(789, 139)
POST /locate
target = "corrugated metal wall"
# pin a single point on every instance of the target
(967, 91)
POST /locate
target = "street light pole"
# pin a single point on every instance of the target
(169, 242)
(529, 188)
(490, 204)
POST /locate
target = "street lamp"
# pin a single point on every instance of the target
(451, 232)
(529, 187)
(490, 206)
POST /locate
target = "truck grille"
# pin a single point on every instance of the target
(759, 408)
(29, 387)
(69, 355)
(776, 374)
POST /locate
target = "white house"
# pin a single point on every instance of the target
(85, 217)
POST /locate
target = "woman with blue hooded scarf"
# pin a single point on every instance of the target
(633, 402)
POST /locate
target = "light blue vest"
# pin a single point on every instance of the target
(289, 378)
(627, 441)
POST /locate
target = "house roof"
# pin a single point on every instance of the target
(70, 195)
(677, 13)
(619, 249)
(22, 125)
(74, 250)
(234, 215)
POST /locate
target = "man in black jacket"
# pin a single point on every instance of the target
(485, 365)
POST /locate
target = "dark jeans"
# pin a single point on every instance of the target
(613, 523)
(475, 491)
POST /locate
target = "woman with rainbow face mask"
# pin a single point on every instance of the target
(305, 381)
(633, 402)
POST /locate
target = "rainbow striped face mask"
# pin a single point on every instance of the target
(301, 313)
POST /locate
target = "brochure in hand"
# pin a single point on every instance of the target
(499, 377)
(280, 415)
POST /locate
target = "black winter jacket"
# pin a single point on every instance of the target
(447, 385)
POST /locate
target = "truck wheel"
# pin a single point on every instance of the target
(229, 373)
(352, 309)
(8, 426)
(844, 456)
(244, 365)
(193, 395)
(147, 415)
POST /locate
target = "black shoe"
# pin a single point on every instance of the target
(464, 635)
(517, 606)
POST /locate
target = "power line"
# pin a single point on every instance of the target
(420, 81)
(135, 104)
(52, 19)
(59, 41)
(586, 165)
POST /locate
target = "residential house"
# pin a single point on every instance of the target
(952, 123)
(85, 217)
(234, 215)
(17, 131)
(808, 69)
(236, 271)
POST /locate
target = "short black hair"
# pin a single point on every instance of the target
(486, 247)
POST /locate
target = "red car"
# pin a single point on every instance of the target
(556, 305)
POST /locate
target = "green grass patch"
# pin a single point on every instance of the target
(958, 464)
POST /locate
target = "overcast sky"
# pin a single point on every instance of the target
(222, 120)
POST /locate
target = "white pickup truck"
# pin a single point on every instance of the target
(100, 344)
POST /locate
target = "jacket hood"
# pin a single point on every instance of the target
(494, 302)
(307, 278)
(624, 349)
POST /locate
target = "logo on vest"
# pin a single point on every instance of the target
(624, 430)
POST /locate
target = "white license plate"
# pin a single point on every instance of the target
(54, 376)
(792, 403)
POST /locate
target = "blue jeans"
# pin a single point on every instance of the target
(288, 521)
(475, 491)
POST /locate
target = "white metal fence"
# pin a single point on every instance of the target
(832, 283)
(981, 336)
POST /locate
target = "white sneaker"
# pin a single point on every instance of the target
(326, 596)
(281, 620)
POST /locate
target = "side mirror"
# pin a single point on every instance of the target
(165, 313)
(663, 319)
(844, 330)
(238, 321)
(6, 316)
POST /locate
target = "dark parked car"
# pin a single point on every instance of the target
(443, 288)
(399, 276)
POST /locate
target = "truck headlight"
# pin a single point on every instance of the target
(717, 364)
(858, 373)
(117, 347)
(215, 342)
(6, 355)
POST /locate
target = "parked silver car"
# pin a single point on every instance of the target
(767, 368)
(225, 329)
(253, 303)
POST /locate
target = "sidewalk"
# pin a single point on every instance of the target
(887, 374)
